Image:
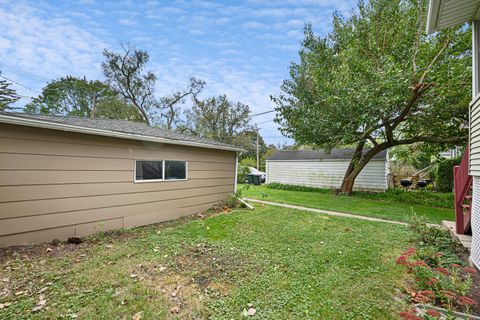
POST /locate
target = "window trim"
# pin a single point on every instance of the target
(163, 171)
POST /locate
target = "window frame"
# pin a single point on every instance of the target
(186, 170)
(135, 180)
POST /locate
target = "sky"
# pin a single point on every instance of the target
(239, 48)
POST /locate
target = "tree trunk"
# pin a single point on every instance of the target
(358, 162)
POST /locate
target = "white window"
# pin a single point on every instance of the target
(175, 170)
(160, 170)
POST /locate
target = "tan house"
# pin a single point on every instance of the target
(66, 177)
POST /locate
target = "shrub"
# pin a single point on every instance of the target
(243, 169)
(440, 278)
(442, 173)
(291, 187)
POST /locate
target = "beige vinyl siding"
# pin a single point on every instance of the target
(326, 174)
(56, 184)
(475, 137)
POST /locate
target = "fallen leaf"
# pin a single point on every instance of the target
(43, 290)
(39, 305)
(175, 310)
(138, 316)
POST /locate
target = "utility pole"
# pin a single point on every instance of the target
(258, 155)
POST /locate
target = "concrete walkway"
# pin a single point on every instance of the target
(327, 212)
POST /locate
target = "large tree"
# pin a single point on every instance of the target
(80, 97)
(218, 118)
(377, 81)
(8, 96)
(126, 73)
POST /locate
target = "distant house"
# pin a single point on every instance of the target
(64, 177)
(325, 170)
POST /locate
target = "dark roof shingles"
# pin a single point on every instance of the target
(122, 126)
(335, 154)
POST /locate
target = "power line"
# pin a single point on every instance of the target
(16, 82)
(23, 73)
(264, 122)
(262, 113)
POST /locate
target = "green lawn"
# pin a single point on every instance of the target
(289, 264)
(392, 206)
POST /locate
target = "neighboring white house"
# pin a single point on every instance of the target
(450, 13)
(325, 170)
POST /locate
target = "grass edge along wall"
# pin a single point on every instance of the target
(57, 184)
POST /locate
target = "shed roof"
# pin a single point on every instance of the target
(112, 128)
(335, 154)
(448, 13)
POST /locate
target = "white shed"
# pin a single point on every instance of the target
(325, 170)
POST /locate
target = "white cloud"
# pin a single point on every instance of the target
(46, 47)
(254, 25)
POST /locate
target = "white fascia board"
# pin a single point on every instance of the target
(432, 17)
(319, 160)
(107, 133)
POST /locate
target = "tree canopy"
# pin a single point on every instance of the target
(218, 118)
(8, 96)
(378, 80)
(126, 73)
(82, 98)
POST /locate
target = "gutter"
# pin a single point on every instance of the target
(107, 133)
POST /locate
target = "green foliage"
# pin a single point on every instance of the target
(125, 74)
(243, 168)
(378, 79)
(440, 278)
(291, 187)
(412, 155)
(8, 95)
(115, 108)
(218, 118)
(71, 96)
(442, 174)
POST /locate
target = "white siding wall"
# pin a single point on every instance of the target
(475, 253)
(475, 137)
(327, 174)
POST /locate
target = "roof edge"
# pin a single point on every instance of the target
(107, 133)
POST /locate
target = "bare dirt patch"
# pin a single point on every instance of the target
(193, 276)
